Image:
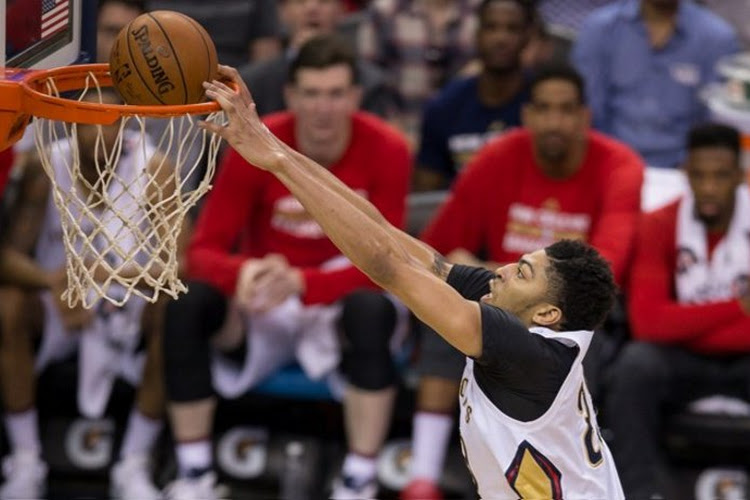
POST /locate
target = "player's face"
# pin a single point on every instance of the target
(112, 18)
(503, 33)
(306, 18)
(557, 120)
(521, 288)
(714, 174)
(323, 101)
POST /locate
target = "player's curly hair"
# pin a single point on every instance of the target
(581, 284)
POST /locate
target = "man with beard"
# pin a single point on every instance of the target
(689, 309)
(470, 111)
(550, 180)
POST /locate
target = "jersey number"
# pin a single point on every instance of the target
(592, 441)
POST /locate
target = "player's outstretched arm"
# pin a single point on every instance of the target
(407, 268)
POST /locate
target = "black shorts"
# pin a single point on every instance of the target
(437, 358)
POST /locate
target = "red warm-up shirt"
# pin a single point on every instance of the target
(655, 314)
(251, 210)
(503, 205)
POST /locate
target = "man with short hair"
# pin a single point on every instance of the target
(287, 290)
(305, 19)
(470, 111)
(689, 308)
(111, 17)
(552, 179)
(107, 337)
(527, 423)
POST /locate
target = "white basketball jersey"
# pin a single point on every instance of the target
(108, 345)
(50, 250)
(558, 455)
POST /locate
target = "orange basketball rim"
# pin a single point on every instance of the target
(27, 93)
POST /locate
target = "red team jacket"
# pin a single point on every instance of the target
(655, 314)
(505, 206)
(248, 209)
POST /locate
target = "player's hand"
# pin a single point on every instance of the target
(250, 275)
(275, 287)
(73, 318)
(245, 132)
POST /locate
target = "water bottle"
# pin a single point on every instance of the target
(294, 476)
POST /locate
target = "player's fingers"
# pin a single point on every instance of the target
(212, 127)
(231, 74)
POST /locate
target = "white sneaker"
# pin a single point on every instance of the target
(200, 488)
(130, 479)
(345, 488)
(25, 476)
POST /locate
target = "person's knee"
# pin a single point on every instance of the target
(437, 358)
(14, 325)
(639, 364)
(368, 320)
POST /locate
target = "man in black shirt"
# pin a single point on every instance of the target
(525, 328)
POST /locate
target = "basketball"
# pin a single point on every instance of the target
(162, 57)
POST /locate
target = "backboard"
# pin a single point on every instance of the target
(44, 34)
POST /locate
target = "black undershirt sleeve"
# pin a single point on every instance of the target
(519, 371)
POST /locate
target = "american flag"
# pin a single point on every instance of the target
(55, 14)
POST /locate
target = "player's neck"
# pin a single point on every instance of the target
(721, 224)
(565, 167)
(660, 22)
(325, 153)
(655, 14)
(497, 88)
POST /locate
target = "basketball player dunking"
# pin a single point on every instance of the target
(528, 320)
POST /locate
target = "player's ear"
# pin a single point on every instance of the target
(547, 315)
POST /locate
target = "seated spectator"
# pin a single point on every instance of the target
(420, 46)
(288, 290)
(470, 111)
(644, 62)
(550, 180)
(242, 30)
(689, 308)
(305, 19)
(107, 337)
(111, 17)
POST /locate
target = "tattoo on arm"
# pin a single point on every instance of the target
(440, 266)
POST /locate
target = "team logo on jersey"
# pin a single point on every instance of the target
(88, 443)
(532, 475)
(242, 452)
(686, 258)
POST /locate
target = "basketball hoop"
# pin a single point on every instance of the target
(121, 223)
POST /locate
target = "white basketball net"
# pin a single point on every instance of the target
(122, 211)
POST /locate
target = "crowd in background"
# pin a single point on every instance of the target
(538, 120)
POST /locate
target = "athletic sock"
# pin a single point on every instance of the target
(360, 469)
(140, 434)
(23, 431)
(430, 434)
(194, 458)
